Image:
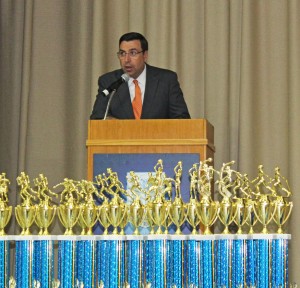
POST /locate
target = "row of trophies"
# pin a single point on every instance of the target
(225, 196)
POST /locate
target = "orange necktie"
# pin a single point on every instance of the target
(137, 101)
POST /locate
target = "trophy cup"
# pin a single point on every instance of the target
(102, 216)
(263, 211)
(69, 210)
(115, 214)
(25, 213)
(5, 210)
(5, 214)
(25, 216)
(207, 211)
(248, 205)
(282, 208)
(87, 218)
(227, 213)
(124, 221)
(168, 221)
(192, 216)
(45, 212)
(44, 217)
(137, 214)
(242, 214)
(282, 212)
(68, 215)
(178, 213)
(158, 213)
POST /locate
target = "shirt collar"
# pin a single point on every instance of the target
(141, 79)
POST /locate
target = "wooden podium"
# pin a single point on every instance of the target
(149, 136)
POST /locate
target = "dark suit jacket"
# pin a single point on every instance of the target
(163, 98)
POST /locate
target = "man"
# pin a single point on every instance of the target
(155, 95)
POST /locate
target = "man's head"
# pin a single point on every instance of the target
(133, 53)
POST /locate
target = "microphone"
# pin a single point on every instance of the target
(114, 86)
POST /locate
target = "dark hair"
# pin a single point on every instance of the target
(135, 36)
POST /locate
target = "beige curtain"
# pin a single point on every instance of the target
(238, 63)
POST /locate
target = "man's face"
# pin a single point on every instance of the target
(132, 65)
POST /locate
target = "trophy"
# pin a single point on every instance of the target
(263, 211)
(192, 216)
(68, 215)
(5, 214)
(282, 209)
(44, 217)
(45, 211)
(177, 213)
(282, 212)
(242, 214)
(69, 210)
(227, 213)
(25, 216)
(88, 216)
(5, 210)
(137, 214)
(25, 213)
(125, 218)
(168, 221)
(102, 216)
(207, 211)
(158, 213)
(225, 183)
(115, 214)
(251, 221)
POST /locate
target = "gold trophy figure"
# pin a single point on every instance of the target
(5, 210)
(69, 209)
(26, 212)
(45, 211)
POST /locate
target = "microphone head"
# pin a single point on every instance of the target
(125, 77)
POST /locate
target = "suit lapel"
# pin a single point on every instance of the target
(124, 102)
(150, 92)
